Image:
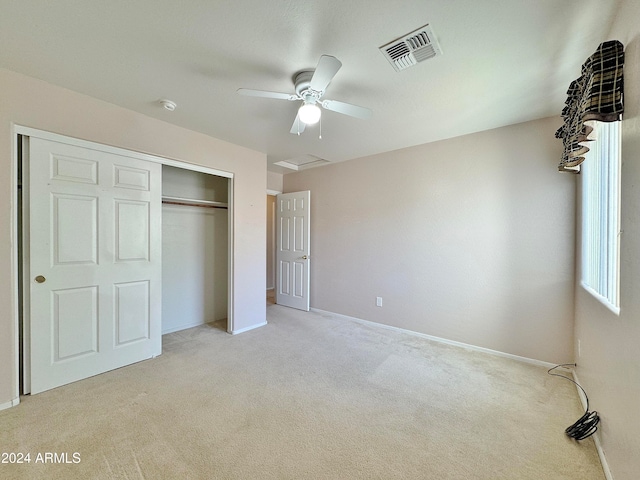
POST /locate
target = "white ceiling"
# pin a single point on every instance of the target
(503, 62)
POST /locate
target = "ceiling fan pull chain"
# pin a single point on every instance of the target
(320, 137)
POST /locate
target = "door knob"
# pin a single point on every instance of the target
(40, 279)
(304, 257)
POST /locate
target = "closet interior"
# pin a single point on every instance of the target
(194, 248)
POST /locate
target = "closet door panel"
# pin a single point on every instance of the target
(94, 262)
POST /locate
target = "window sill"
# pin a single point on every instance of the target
(603, 300)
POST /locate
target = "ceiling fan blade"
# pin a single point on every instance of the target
(326, 69)
(298, 126)
(347, 109)
(261, 93)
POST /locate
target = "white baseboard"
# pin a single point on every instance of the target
(596, 436)
(246, 329)
(12, 403)
(187, 325)
(441, 340)
(182, 327)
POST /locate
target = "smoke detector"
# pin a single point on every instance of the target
(168, 105)
(412, 48)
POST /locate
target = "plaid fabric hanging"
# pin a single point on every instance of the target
(596, 95)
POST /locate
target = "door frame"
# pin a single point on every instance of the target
(18, 133)
(273, 193)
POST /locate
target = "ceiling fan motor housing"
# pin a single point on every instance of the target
(302, 81)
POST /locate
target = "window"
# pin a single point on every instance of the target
(601, 214)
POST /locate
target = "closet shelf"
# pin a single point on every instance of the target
(192, 202)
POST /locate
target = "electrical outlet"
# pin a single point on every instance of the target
(378, 301)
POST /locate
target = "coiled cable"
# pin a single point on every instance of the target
(586, 425)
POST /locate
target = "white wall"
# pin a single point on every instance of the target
(469, 239)
(609, 364)
(33, 103)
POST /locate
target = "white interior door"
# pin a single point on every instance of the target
(94, 261)
(292, 251)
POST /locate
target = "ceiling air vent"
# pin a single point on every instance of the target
(412, 49)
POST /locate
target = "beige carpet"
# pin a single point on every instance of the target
(308, 396)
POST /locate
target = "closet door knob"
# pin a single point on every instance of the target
(40, 279)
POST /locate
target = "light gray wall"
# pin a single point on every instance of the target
(179, 182)
(469, 239)
(274, 181)
(33, 103)
(194, 266)
(609, 364)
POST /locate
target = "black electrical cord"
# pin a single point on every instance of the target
(586, 425)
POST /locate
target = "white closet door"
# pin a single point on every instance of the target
(95, 261)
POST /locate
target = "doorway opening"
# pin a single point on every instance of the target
(194, 249)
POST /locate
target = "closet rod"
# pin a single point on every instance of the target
(193, 204)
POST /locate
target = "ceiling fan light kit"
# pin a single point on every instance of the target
(309, 113)
(310, 86)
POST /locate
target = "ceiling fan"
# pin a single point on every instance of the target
(310, 86)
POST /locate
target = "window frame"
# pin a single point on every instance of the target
(600, 235)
